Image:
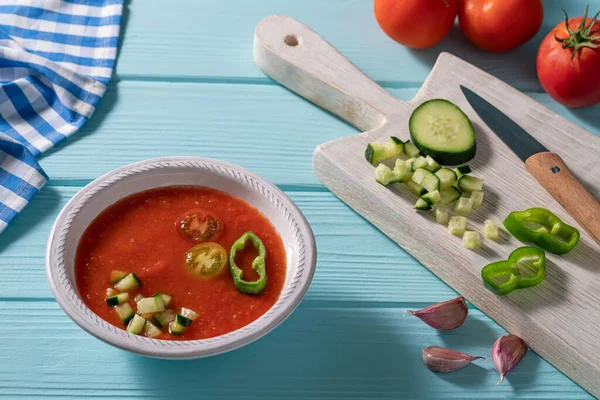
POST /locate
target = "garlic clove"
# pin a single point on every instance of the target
(439, 359)
(444, 316)
(507, 352)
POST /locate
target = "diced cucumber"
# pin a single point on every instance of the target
(189, 313)
(432, 164)
(129, 282)
(432, 197)
(183, 321)
(477, 197)
(164, 318)
(411, 150)
(166, 298)
(490, 229)
(403, 170)
(415, 188)
(136, 325)
(441, 214)
(175, 328)
(151, 305)
(442, 130)
(420, 162)
(118, 299)
(377, 152)
(422, 205)
(110, 292)
(463, 206)
(138, 297)
(449, 195)
(457, 225)
(125, 313)
(385, 176)
(471, 240)
(426, 179)
(151, 330)
(468, 183)
(462, 170)
(447, 178)
(116, 276)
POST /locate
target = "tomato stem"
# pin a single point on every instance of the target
(581, 36)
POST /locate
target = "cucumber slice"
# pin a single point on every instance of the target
(471, 240)
(118, 299)
(164, 318)
(420, 162)
(449, 195)
(377, 152)
(411, 150)
(415, 188)
(151, 305)
(477, 197)
(432, 164)
(151, 330)
(125, 313)
(188, 313)
(385, 176)
(426, 179)
(490, 229)
(447, 177)
(422, 205)
(136, 325)
(457, 225)
(116, 276)
(463, 206)
(129, 282)
(176, 329)
(403, 170)
(462, 170)
(442, 130)
(441, 214)
(432, 197)
(468, 183)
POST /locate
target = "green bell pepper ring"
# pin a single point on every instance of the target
(258, 264)
(492, 274)
(550, 232)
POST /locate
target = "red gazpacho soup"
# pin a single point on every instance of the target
(157, 263)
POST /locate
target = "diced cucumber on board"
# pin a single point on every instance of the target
(449, 195)
(415, 188)
(427, 179)
(457, 225)
(432, 197)
(471, 240)
(463, 206)
(447, 178)
(468, 183)
(411, 150)
(377, 152)
(420, 162)
(440, 129)
(490, 229)
(422, 205)
(385, 175)
(441, 214)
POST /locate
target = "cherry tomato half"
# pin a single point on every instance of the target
(199, 226)
(206, 260)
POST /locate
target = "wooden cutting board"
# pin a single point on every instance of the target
(560, 318)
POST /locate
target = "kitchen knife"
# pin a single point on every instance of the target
(547, 167)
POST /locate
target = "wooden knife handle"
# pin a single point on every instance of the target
(552, 173)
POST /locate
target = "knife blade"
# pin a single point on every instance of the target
(546, 167)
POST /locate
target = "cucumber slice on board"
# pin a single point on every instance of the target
(443, 131)
(377, 152)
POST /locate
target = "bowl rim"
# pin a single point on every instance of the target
(291, 296)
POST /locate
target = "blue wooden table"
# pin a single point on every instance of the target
(186, 84)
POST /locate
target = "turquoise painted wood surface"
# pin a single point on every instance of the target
(186, 84)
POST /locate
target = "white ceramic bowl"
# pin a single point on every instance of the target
(291, 225)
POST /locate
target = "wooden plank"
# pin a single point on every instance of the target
(318, 353)
(356, 262)
(264, 128)
(199, 40)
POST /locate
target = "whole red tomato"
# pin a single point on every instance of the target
(568, 63)
(500, 25)
(416, 23)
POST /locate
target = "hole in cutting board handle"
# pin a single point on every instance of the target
(291, 40)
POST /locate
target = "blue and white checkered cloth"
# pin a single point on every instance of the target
(56, 59)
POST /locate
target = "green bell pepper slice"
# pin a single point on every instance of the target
(258, 264)
(492, 273)
(543, 228)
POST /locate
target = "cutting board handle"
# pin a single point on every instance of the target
(300, 59)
